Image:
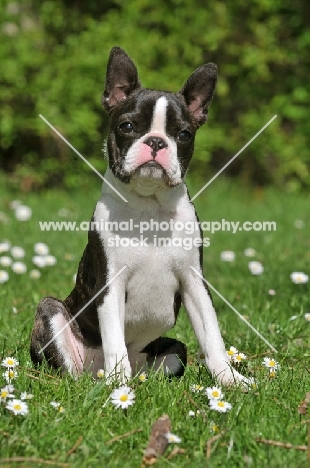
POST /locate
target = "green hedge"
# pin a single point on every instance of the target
(53, 55)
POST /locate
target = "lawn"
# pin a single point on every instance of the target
(91, 432)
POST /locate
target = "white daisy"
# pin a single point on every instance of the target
(10, 374)
(100, 373)
(9, 362)
(6, 261)
(196, 388)
(5, 246)
(249, 252)
(238, 357)
(50, 260)
(228, 256)
(307, 317)
(23, 213)
(191, 413)
(214, 393)
(34, 274)
(299, 277)
(41, 249)
(26, 396)
(271, 363)
(256, 268)
(17, 407)
(17, 252)
(173, 438)
(271, 292)
(142, 377)
(57, 406)
(39, 261)
(231, 352)
(5, 393)
(249, 383)
(123, 397)
(19, 268)
(4, 276)
(220, 405)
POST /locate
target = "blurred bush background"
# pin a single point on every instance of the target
(53, 55)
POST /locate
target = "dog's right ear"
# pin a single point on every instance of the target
(198, 91)
(121, 79)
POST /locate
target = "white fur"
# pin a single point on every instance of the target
(159, 116)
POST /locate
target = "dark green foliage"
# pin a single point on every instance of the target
(53, 56)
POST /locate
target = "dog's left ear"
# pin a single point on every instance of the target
(198, 91)
(121, 79)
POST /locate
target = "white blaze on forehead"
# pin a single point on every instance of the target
(159, 116)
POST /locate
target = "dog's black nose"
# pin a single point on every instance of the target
(156, 143)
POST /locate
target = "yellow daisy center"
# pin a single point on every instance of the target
(4, 394)
(17, 407)
(215, 393)
(124, 398)
(230, 352)
(221, 404)
(10, 362)
(271, 363)
(215, 428)
(11, 374)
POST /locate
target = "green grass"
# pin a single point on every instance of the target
(269, 411)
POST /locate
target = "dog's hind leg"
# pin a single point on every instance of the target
(168, 354)
(62, 342)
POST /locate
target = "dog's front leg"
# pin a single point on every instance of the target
(198, 304)
(111, 313)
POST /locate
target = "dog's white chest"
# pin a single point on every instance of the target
(153, 263)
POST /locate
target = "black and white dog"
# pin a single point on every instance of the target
(150, 145)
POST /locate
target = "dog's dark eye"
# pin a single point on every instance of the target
(184, 135)
(126, 127)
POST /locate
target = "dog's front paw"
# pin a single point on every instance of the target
(120, 373)
(225, 374)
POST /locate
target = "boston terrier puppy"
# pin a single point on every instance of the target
(129, 289)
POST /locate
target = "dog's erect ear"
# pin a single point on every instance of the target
(121, 79)
(198, 91)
